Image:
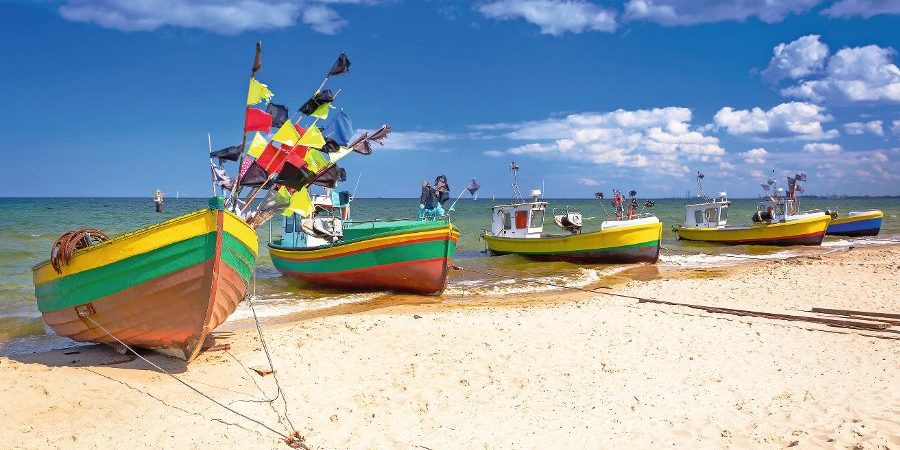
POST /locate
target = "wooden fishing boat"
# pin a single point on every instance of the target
(518, 229)
(777, 221)
(401, 255)
(865, 223)
(163, 287)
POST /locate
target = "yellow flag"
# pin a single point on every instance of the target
(314, 160)
(300, 204)
(287, 134)
(312, 138)
(257, 145)
(344, 151)
(322, 111)
(283, 194)
(258, 92)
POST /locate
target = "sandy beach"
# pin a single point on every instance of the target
(565, 369)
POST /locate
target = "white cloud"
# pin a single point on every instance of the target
(794, 120)
(857, 128)
(414, 140)
(797, 59)
(588, 181)
(218, 16)
(659, 139)
(755, 156)
(864, 8)
(554, 17)
(494, 153)
(689, 12)
(822, 148)
(858, 74)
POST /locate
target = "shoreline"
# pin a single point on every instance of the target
(558, 369)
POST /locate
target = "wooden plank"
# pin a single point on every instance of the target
(850, 312)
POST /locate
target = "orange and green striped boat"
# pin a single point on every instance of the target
(164, 287)
(402, 255)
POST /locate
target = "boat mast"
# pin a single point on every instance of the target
(515, 185)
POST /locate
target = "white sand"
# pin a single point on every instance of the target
(563, 371)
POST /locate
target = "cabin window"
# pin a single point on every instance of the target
(521, 219)
(698, 217)
(712, 215)
(289, 224)
(507, 221)
(723, 215)
(537, 219)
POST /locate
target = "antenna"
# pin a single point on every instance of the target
(700, 193)
(515, 170)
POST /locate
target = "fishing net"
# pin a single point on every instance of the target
(64, 247)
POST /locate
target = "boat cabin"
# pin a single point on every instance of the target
(519, 220)
(712, 214)
(324, 227)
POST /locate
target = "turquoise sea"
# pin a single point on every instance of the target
(29, 226)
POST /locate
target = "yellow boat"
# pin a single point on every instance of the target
(777, 221)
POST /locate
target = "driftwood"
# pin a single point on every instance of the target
(850, 312)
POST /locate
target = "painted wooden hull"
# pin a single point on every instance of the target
(163, 287)
(806, 231)
(625, 244)
(860, 224)
(407, 259)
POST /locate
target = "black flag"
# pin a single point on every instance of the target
(228, 153)
(330, 146)
(295, 177)
(341, 66)
(257, 60)
(331, 177)
(254, 176)
(316, 101)
(279, 114)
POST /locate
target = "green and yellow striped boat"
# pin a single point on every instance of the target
(163, 287)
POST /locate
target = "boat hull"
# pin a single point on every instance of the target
(399, 260)
(806, 231)
(625, 244)
(163, 287)
(861, 224)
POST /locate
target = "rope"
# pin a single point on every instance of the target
(64, 247)
(157, 367)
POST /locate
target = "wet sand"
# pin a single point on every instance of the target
(562, 369)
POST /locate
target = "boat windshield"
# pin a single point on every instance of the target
(537, 219)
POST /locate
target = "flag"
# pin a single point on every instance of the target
(254, 175)
(316, 101)
(472, 187)
(257, 120)
(258, 92)
(343, 128)
(228, 153)
(220, 177)
(272, 158)
(315, 161)
(330, 146)
(331, 177)
(278, 112)
(257, 60)
(257, 145)
(801, 176)
(297, 156)
(792, 184)
(295, 177)
(341, 66)
(344, 151)
(322, 111)
(275, 201)
(765, 187)
(287, 134)
(312, 138)
(300, 204)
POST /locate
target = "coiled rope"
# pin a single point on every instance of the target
(64, 248)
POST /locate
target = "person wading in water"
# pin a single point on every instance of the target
(158, 199)
(433, 198)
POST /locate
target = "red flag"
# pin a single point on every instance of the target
(271, 159)
(257, 120)
(296, 157)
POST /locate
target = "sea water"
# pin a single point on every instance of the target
(29, 226)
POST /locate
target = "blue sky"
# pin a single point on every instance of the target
(115, 97)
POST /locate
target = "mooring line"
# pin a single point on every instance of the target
(286, 438)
